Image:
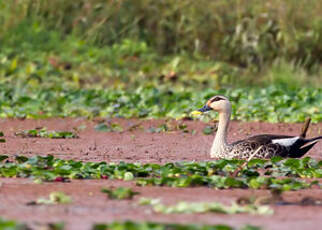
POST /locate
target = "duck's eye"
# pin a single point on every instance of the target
(217, 99)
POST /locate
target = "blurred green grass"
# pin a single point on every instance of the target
(160, 58)
(207, 44)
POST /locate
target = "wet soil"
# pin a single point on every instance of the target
(137, 144)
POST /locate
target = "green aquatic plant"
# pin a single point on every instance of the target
(272, 104)
(1, 137)
(119, 193)
(162, 226)
(110, 127)
(43, 132)
(216, 174)
(203, 207)
(54, 198)
(12, 225)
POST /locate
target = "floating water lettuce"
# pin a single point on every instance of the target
(55, 198)
(119, 193)
(272, 104)
(203, 207)
(161, 226)
(43, 132)
(217, 174)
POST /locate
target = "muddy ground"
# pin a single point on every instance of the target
(137, 144)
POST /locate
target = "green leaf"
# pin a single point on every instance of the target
(119, 193)
(3, 157)
(202, 207)
(46, 134)
(128, 176)
(111, 127)
(55, 198)
(21, 159)
(208, 130)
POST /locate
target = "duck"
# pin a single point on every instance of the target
(260, 146)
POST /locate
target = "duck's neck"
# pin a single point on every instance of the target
(219, 145)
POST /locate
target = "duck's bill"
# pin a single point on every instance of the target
(205, 108)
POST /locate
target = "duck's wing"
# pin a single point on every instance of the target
(273, 145)
(245, 148)
(269, 138)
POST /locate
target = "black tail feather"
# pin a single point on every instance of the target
(302, 147)
(312, 139)
(301, 151)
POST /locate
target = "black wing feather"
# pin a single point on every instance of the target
(263, 139)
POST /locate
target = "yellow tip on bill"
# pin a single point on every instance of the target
(194, 113)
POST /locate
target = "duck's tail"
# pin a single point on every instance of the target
(306, 145)
(314, 139)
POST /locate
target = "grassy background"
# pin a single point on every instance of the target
(168, 47)
(236, 42)
(237, 31)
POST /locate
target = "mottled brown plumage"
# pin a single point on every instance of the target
(267, 145)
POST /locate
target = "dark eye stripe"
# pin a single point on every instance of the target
(217, 99)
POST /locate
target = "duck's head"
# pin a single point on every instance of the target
(217, 103)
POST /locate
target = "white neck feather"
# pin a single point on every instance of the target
(220, 144)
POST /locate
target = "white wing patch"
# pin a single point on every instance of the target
(285, 141)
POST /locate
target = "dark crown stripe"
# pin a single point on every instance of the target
(217, 99)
